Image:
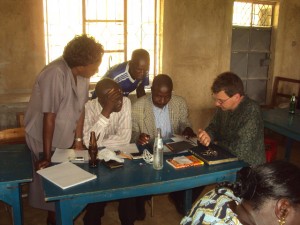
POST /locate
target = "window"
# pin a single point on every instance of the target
(251, 46)
(252, 14)
(119, 25)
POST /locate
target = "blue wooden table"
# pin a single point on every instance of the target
(136, 178)
(280, 121)
(15, 169)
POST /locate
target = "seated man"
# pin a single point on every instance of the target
(160, 110)
(110, 117)
(237, 124)
(131, 75)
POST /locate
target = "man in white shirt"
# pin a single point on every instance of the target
(109, 116)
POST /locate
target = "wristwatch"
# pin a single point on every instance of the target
(78, 139)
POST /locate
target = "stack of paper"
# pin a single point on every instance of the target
(66, 175)
(64, 155)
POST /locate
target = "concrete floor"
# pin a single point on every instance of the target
(164, 210)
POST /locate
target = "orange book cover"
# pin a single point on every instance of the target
(185, 161)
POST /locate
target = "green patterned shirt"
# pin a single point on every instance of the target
(240, 131)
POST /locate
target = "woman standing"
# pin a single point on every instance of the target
(55, 113)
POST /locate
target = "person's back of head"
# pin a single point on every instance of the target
(82, 50)
(228, 82)
(272, 187)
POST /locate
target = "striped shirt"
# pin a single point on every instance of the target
(112, 131)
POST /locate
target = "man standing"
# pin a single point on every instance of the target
(131, 75)
(237, 124)
(55, 113)
(109, 116)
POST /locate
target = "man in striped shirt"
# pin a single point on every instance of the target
(109, 116)
(131, 75)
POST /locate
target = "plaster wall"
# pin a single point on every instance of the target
(196, 48)
(287, 49)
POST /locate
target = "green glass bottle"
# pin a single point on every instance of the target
(292, 104)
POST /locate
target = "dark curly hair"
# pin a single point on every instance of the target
(228, 82)
(273, 180)
(82, 50)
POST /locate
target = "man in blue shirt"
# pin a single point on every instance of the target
(133, 74)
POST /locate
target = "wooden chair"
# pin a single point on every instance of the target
(283, 89)
(20, 119)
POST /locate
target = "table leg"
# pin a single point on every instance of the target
(67, 211)
(187, 200)
(11, 196)
(288, 148)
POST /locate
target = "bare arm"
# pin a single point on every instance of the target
(79, 132)
(48, 130)
(140, 91)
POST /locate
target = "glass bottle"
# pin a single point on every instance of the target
(93, 151)
(292, 104)
(158, 151)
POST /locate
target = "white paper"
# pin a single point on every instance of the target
(129, 148)
(65, 155)
(66, 175)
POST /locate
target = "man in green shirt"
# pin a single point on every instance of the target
(237, 124)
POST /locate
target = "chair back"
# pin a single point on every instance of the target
(283, 89)
(13, 136)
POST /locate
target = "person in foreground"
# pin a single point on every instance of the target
(133, 74)
(109, 116)
(55, 113)
(160, 110)
(237, 124)
(267, 194)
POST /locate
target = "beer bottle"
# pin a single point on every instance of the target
(93, 151)
(292, 104)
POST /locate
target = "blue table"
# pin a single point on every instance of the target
(280, 121)
(15, 169)
(136, 178)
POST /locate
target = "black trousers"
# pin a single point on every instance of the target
(128, 209)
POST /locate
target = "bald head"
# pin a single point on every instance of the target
(104, 85)
(162, 80)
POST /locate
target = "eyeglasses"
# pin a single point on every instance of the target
(222, 101)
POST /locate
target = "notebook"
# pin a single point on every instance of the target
(66, 175)
(213, 154)
(184, 161)
(179, 146)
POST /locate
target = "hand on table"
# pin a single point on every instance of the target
(143, 139)
(41, 164)
(203, 137)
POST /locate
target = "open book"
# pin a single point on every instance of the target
(66, 175)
